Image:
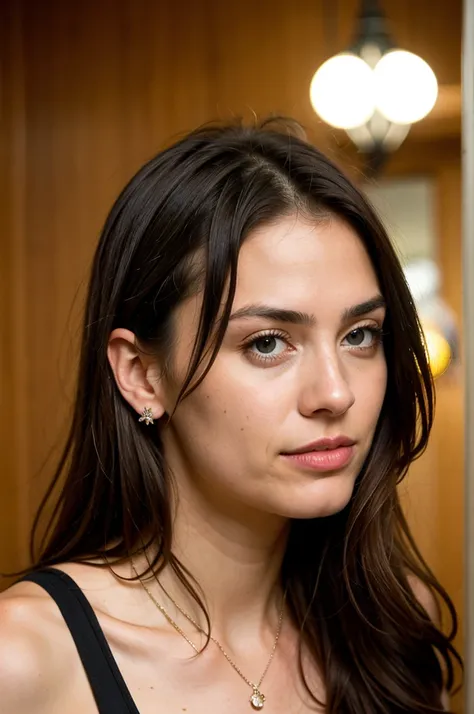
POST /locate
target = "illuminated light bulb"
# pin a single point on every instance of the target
(342, 91)
(406, 88)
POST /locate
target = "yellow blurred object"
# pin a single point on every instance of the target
(439, 351)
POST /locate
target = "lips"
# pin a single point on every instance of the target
(325, 444)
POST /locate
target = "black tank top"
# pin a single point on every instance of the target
(108, 686)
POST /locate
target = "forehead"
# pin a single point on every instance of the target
(301, 261)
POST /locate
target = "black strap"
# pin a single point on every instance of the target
(108, 686)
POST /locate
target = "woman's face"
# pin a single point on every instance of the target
(301, 362)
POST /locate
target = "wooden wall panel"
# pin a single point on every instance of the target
(14, 402)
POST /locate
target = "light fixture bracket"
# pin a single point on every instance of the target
(372, 30)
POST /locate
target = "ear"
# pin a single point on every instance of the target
(137, 377)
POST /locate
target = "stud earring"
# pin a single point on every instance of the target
(147, 416)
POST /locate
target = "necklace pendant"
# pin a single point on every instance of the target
(257, 699)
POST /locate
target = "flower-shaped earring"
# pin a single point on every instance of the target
(147, 416)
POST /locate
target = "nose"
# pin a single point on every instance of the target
(325, 386)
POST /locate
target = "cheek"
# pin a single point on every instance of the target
(245, 393)
(224, 418)
(220, 437)
(235, 409)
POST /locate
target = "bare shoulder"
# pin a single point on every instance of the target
(33, 658)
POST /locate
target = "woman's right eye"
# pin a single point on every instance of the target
(268, 347)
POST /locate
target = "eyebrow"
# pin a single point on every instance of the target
(296, 317)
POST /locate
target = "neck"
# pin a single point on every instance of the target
(235, 557)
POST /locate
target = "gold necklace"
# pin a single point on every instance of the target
(257, 699)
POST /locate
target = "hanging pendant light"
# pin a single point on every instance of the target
(374, 90)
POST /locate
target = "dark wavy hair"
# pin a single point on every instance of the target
(177, 228)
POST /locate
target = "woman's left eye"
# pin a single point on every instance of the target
(363, 337)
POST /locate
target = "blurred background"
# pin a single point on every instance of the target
(91, 90)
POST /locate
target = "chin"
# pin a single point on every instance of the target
(326, 497)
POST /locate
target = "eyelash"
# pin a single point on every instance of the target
(377, 334)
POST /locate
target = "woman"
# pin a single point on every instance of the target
(253, 386)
